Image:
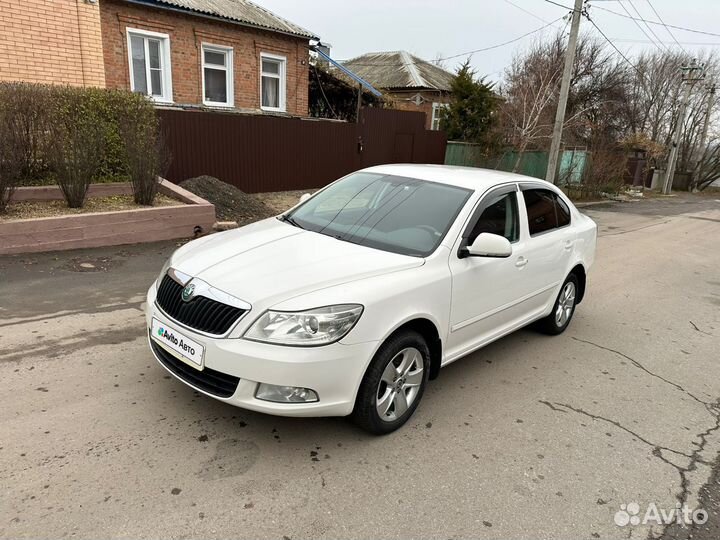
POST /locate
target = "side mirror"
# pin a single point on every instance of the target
(489, 245)
(304, 197)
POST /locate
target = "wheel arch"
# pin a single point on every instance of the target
(581, 275)
(428, 330)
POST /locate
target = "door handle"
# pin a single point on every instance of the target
(522, 261)
(568, 244)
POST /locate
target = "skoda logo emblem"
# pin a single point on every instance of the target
(188, 291)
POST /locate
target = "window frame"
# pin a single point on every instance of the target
(282, 78)
(436, 107)
(556, 196)
(165, 62)
(481, 207)
(229, 73)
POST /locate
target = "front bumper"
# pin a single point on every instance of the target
(334, 371)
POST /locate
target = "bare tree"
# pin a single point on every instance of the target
(531, 85)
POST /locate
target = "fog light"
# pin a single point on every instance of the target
(285, 394)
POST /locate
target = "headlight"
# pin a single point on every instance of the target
(164, 270)
(318, 326)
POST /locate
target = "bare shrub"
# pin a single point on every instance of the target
(10, 151)
(145, 153)
(77, 141)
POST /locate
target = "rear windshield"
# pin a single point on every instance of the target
(392, 213)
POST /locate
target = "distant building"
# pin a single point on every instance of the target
(411, 82)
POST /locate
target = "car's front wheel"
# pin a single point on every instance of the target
(393, 384)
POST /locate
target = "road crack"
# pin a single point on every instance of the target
(646, 370)
(694, 457)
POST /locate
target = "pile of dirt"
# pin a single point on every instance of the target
(231, 203)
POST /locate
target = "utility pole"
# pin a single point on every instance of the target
(688, 77)
(564, 91)
(711, 88)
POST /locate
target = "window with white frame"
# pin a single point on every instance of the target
(149, 61)
(217, 70)
(272, 82)
(437, 114)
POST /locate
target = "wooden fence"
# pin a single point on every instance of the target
(266, 153)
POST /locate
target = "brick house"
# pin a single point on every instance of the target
(51, 41)
(412, 83)
(228, 54)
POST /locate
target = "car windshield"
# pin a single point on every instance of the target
(392, 213)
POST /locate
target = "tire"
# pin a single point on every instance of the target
(399, 368)
(558, 320)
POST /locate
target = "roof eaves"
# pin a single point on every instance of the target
(197, 13)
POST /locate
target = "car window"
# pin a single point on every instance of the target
(540, 205)
(500, 217)
(563, 211)
(392, 213)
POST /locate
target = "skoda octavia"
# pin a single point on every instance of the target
(350, 302)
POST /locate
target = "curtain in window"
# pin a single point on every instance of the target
(137, 46)
(270, 92)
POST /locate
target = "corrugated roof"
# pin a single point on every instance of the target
(241, 11)
(399, 69)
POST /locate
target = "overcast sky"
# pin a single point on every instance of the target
(432, 29)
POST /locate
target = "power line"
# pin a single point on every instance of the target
(695, 43)
(467, 53)
(641, 28)
(525, 10)
(635, 9)
(665, 25)
(650, 22)
(642, 76)
(561, 5)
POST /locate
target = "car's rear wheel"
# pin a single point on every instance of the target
(563, 309)
(393, 384)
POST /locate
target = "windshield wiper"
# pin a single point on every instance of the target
(291, 221)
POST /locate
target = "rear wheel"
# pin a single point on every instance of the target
(393, 384)
(563, 309)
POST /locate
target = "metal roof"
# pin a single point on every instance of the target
(399, 69)
(238, 11)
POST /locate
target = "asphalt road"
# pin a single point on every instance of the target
(531, 437)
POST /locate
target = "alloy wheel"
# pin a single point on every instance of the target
(566, 303)
(399, 384)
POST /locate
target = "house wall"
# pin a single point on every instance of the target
(187, 33)
(401, 101)
(51, 41)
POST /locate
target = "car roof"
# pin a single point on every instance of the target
(466, 177)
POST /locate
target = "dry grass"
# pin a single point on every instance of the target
(114, 203)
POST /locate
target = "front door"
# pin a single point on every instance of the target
(487, 292)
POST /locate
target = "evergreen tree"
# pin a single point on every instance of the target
(469, 117)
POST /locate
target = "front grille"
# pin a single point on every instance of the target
(200, 313)
(208, 380)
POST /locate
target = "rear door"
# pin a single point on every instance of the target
(549, 243)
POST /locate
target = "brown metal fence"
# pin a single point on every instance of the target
(263, 153)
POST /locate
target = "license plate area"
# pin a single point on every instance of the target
(178, 344)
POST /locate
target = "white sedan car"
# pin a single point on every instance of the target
(351, 301)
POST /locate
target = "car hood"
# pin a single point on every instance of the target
(271, 261)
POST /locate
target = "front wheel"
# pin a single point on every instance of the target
(393, 384)
(563, 309)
